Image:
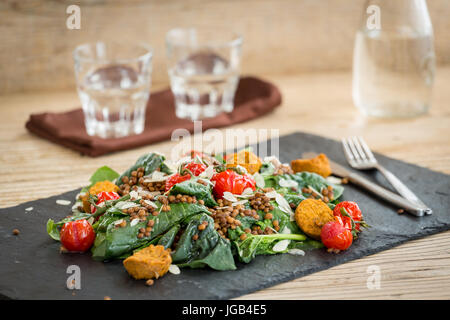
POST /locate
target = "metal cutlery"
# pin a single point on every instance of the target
(360, 157)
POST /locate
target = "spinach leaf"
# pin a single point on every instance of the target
(178, 213)
(277, 214)
(150, 162)
(294, 198)
(220, 258)
(52, 230)
(267, 169)
(105, 220)
(304, 180)
(102, 174)
(112, 242)
(306, 245)
(255, 245)
(210, 249)
(167, 239)
(193, 188)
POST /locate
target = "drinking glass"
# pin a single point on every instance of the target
(394, 61)
(113, 83)
(203, 67)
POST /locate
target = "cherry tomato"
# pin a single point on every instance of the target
(77, 235)
(195, 168)
(353, 211)
(176, 178)
(103, 196)
(232, 182)
(335, 236)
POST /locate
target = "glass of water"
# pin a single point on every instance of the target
(113, 82)
(394, 60)
(203, 67)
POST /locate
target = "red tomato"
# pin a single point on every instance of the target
(176, 178)
(103, 196)
(77, 235)
(334, 235)
(232, 182)
(195, 168)
(353, 211)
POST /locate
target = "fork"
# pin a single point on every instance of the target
(360, 157)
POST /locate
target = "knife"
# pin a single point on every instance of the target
(414, 208)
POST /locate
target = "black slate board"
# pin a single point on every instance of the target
(31, 266)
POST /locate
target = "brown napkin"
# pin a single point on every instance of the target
(253, 99)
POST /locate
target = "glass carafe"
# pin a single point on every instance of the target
(394, 61)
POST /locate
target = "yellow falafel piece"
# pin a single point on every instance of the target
(311, 215)
(148, 263)
(319, 165)
(247, 159)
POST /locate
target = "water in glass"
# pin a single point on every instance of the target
(203, 85)
(113, 82)
(114, 100)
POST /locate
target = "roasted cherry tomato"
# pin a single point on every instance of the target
(195, 168)
(77, 235)
(232, 182)
(176, 178)
(353, 211)
(103, 196)
(335, 236)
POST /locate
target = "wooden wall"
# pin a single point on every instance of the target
(281, 36)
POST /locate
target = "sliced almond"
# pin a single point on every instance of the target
(63, 202)
(174, 269)
(281, 246)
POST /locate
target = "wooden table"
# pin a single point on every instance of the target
(32, 168)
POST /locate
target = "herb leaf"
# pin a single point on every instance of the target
(102, 174)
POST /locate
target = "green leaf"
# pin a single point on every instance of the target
(52, 230)
(167, 239)
(210, 249)
(220, 258)
(193, 188)
(150, 162)
(267, 169)
(306, 245)
(112, 242)
(255, 245)
(304, 180)
(294, 198)
(102, 174)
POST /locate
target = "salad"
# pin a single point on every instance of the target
(207, 211)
